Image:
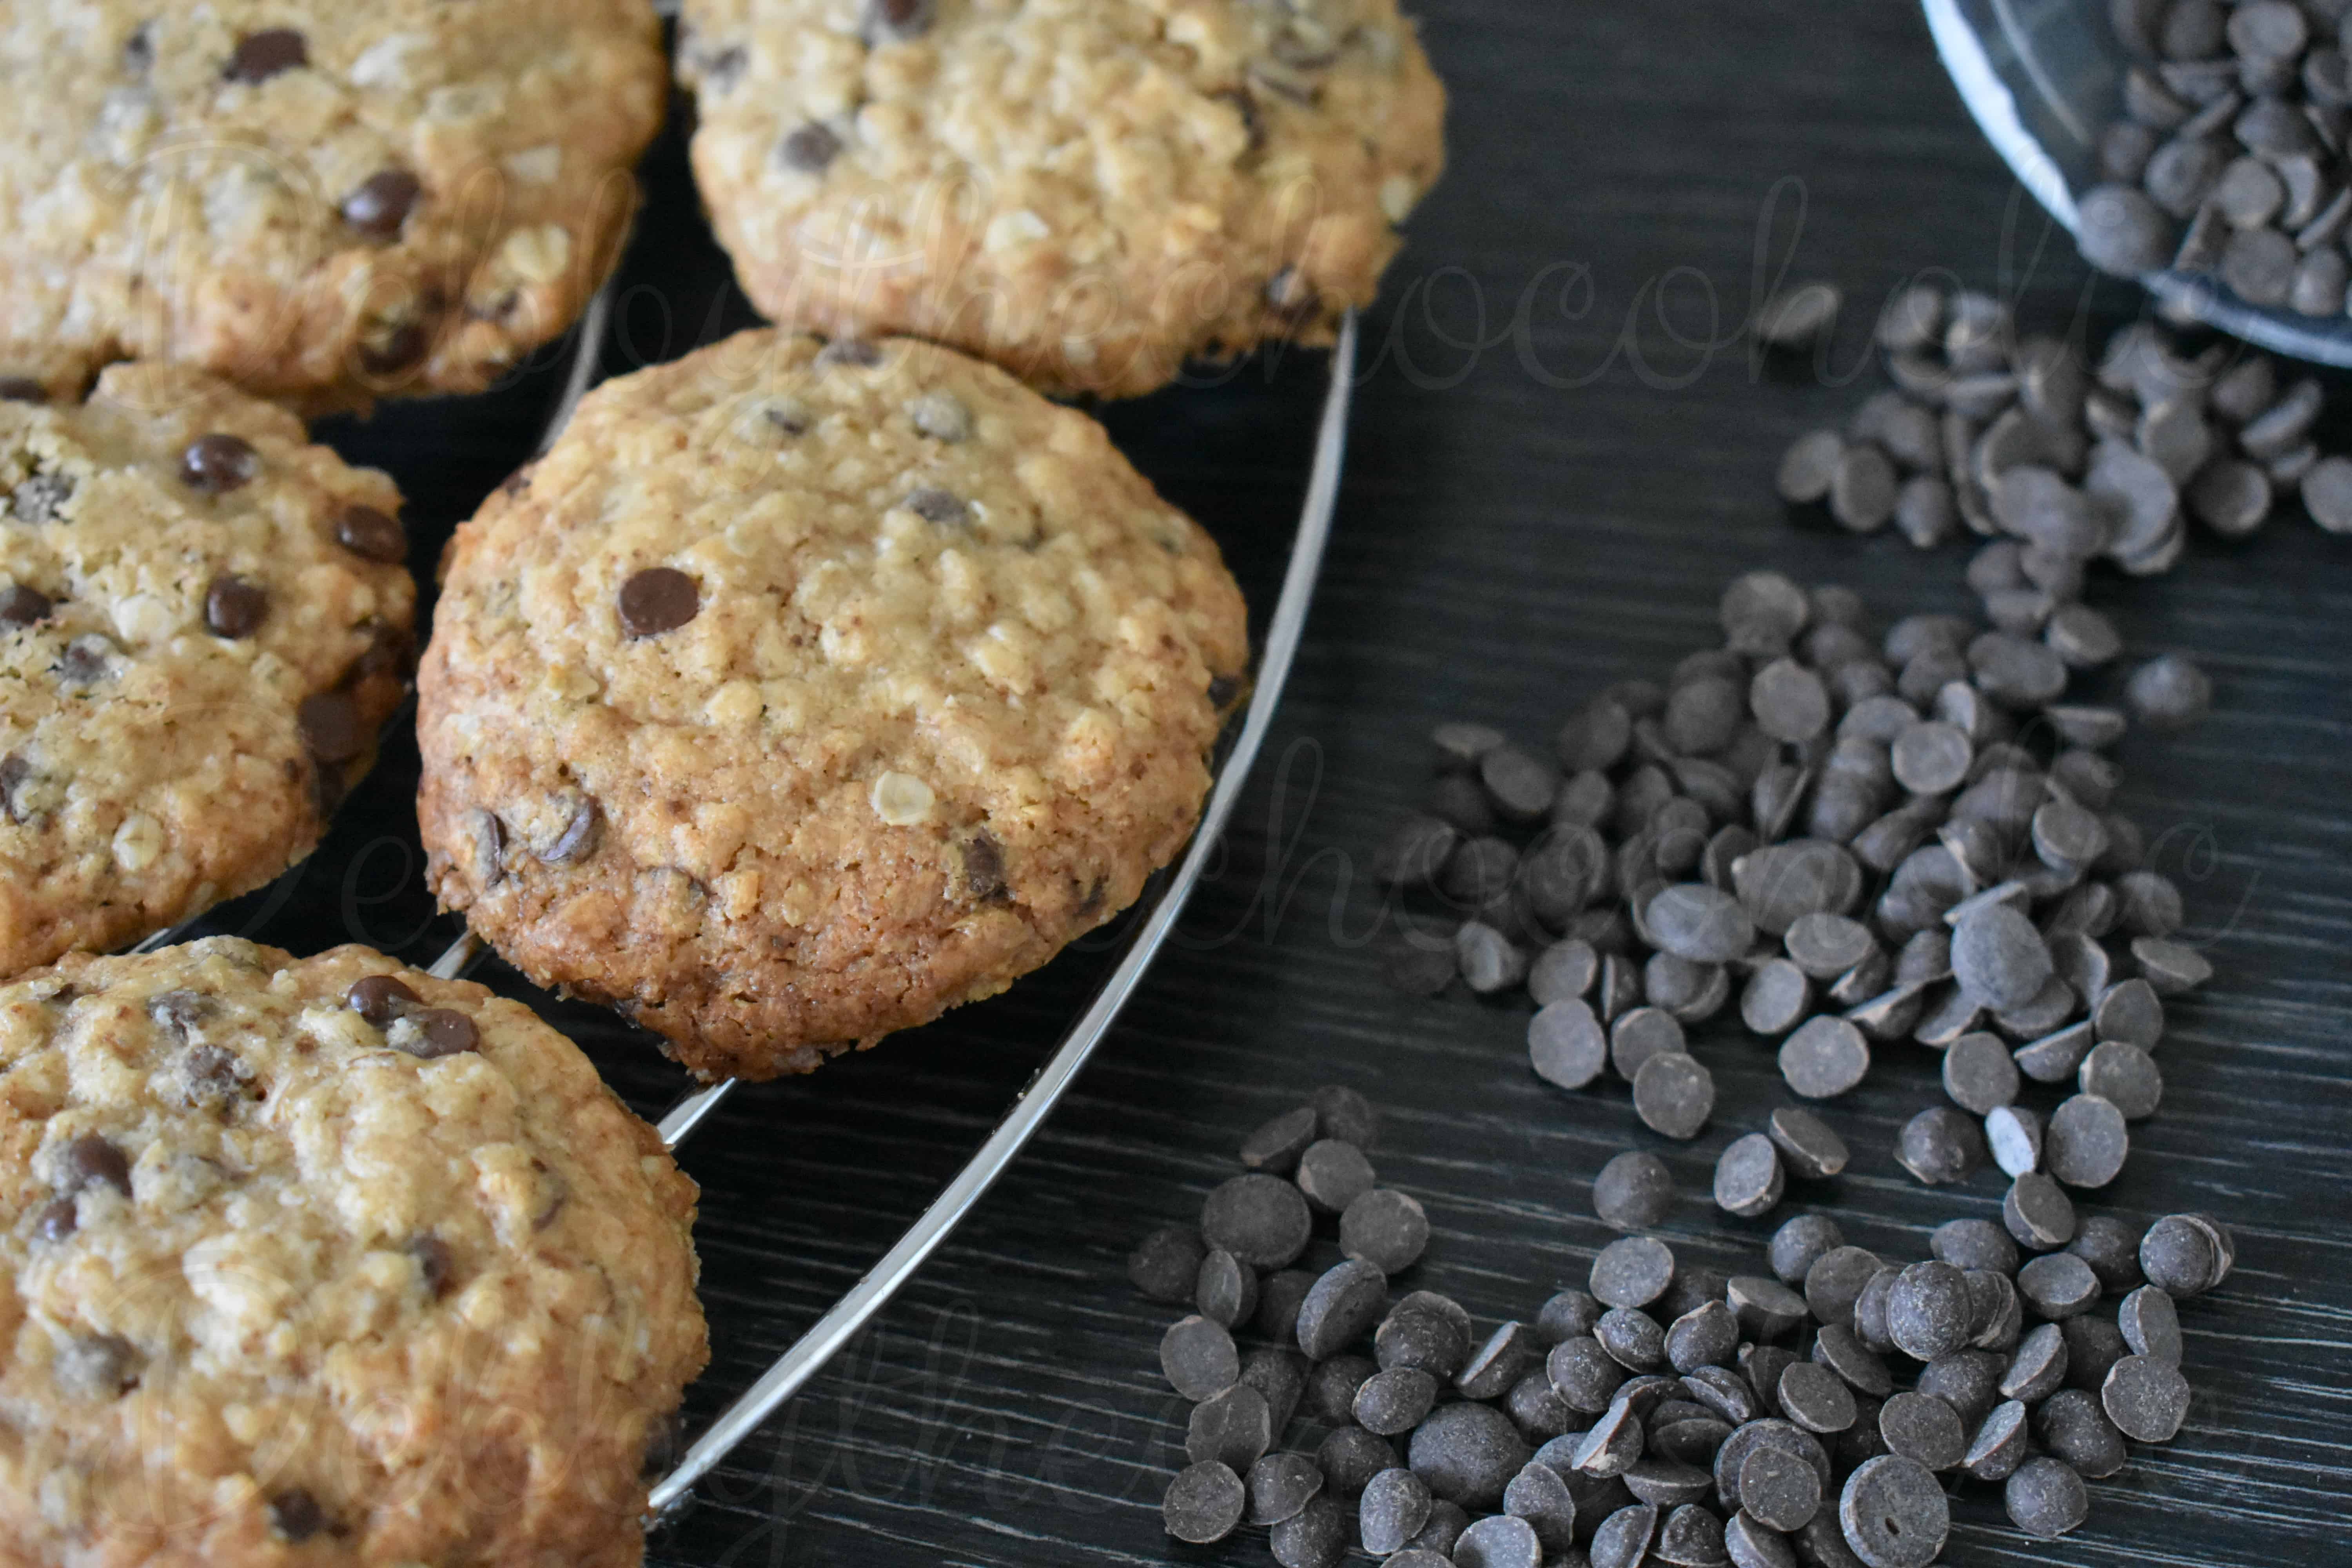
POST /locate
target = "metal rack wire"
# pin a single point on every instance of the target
(1166, 897)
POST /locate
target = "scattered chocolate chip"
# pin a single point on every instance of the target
(657, 599)
(235, 606)
(372, 534)
(432, 1033)
(435, 1264)
(938, 506)
(21, 606)
(381, 204)
(1203, 1503)
(329, 725)
(262, 55)
(896, 21)
(218, 463)
(90, 1159)
(809, 148)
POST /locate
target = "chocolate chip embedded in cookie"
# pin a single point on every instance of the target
(804, 692)
(197, 650)
(353, 201)
(1086, 194)
(275, 1278)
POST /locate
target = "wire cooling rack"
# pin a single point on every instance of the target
(1155, 915)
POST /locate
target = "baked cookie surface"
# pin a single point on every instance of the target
(323, 1261)
(203, 622)
(324, 202)
(1085, 192)
(802, 692)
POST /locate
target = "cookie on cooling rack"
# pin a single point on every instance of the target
(326, 201)
(802, 692)
(204, 621)
(323, 1260)
(1086, 194)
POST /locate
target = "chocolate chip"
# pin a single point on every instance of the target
(235, 606)
(90, 1159)
(209, 1076)
(1565, 1045)
(1203, 1503)
(1316, 1537)
(809, 148)
(1164, 1266)
(896, 21)
(372, 534)
(21, 389)
(57, 1220)
(1815, 1398)
(984, 868)
(21, 606)
(329, 725)
(1385, 1228)
(2045, 1498)
(1810, 1146)
(577, 838)
(1893, 1513)
(1747, 1176)
(2086, 1142)
(1632, 1271)
(1674, 1094)
(433, 1033)
(657, 599)
(218, 463)
(260, 56)
(403, 348)
(435, 1264)
(1467, 1452)
(1232, 1428)
(1198, 1358)
(377, 207)
(1394, 1507)
(938, 506)
(1341, 1308)
(1824, 1058)
(1280, 1486)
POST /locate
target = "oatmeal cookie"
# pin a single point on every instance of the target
(324, 1261)
(326, 203)
(204, 621)
(1087, 191)
(801, 692)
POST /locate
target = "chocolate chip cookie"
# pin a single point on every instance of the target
(204, 621)
(326, 203)
(324, 1261)
(803, 691)
(1087, 194)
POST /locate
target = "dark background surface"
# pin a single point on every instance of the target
(1563, 447)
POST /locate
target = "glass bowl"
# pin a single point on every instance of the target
(2042, 77)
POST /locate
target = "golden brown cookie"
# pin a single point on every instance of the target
(323, 1261)
(324, 202)
(1086, 191)
(801, 693)
(203, 622)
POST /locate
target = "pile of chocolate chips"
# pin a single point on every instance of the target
(1664, 1414)
(1846, 840)
(2017, 440)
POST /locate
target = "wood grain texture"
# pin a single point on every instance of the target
(1562, 449)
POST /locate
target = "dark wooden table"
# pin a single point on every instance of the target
(1562, 449)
